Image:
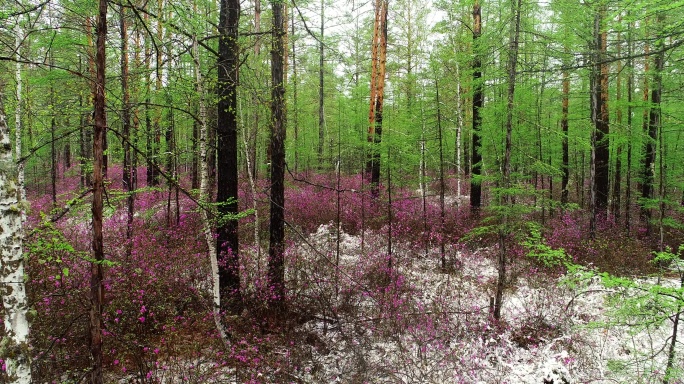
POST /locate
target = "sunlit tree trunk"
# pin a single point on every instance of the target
(15, 351)
(377, 93)
(18, 120)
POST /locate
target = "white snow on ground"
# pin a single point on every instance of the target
(434, 328)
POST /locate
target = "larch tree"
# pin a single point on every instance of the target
(16, 351)
(276, 248)
(128, 169)
(653, 123)
(478, 103)
(99, 129)
(377, 93)
(227, 155)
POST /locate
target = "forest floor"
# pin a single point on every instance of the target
(361, 309)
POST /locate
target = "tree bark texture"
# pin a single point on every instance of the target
(276, 249)
(478, 103)
(377, 93)
(96, 272)
(12, 284)
(227, 167)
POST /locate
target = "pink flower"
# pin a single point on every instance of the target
(142, 319)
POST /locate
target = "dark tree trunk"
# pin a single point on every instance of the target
(276, 249)
(53, 161)
(648, 188)
(565, 128)
(617, 175)
(128, 170)
(96, 273)
(195, 183)
(630, 90)
(602, 125)
(227, 168)
(321, 113)
(478, 103)
(67, 151)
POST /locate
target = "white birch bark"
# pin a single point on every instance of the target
(204, 195)
(14, 345)
(252, 185)
(459, 130)
(17, 123)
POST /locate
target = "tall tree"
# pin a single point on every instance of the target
(227, 169)
(600, 153)
(654, 122)
(321, 94)
(276, 249)
(128, 168)
(16, 352)
(478, 103)
(377, 92)
(96, 273)
(565, 128)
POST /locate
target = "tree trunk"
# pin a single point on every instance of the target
(96, 273)
(276, 249)
(12, 279)
(321, 112)
(512, 66)
(617, 175)
(565, 128)
(204, 195)
(377, 93)
(294, 100)
(630, 90)
(654, 122)
(227, 168)
(128, 170)
(21, 165)
(602, 164)
(478, 103)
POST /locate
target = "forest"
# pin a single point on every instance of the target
(351, 191)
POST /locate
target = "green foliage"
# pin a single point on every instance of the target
(51, 247)
(541, 252)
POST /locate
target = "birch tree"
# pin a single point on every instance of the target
(12, 284)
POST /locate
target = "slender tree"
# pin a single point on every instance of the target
(128, 169)
(654, 122)
(565, 128)
(321, 94)
(96, 273)
(478, 103)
